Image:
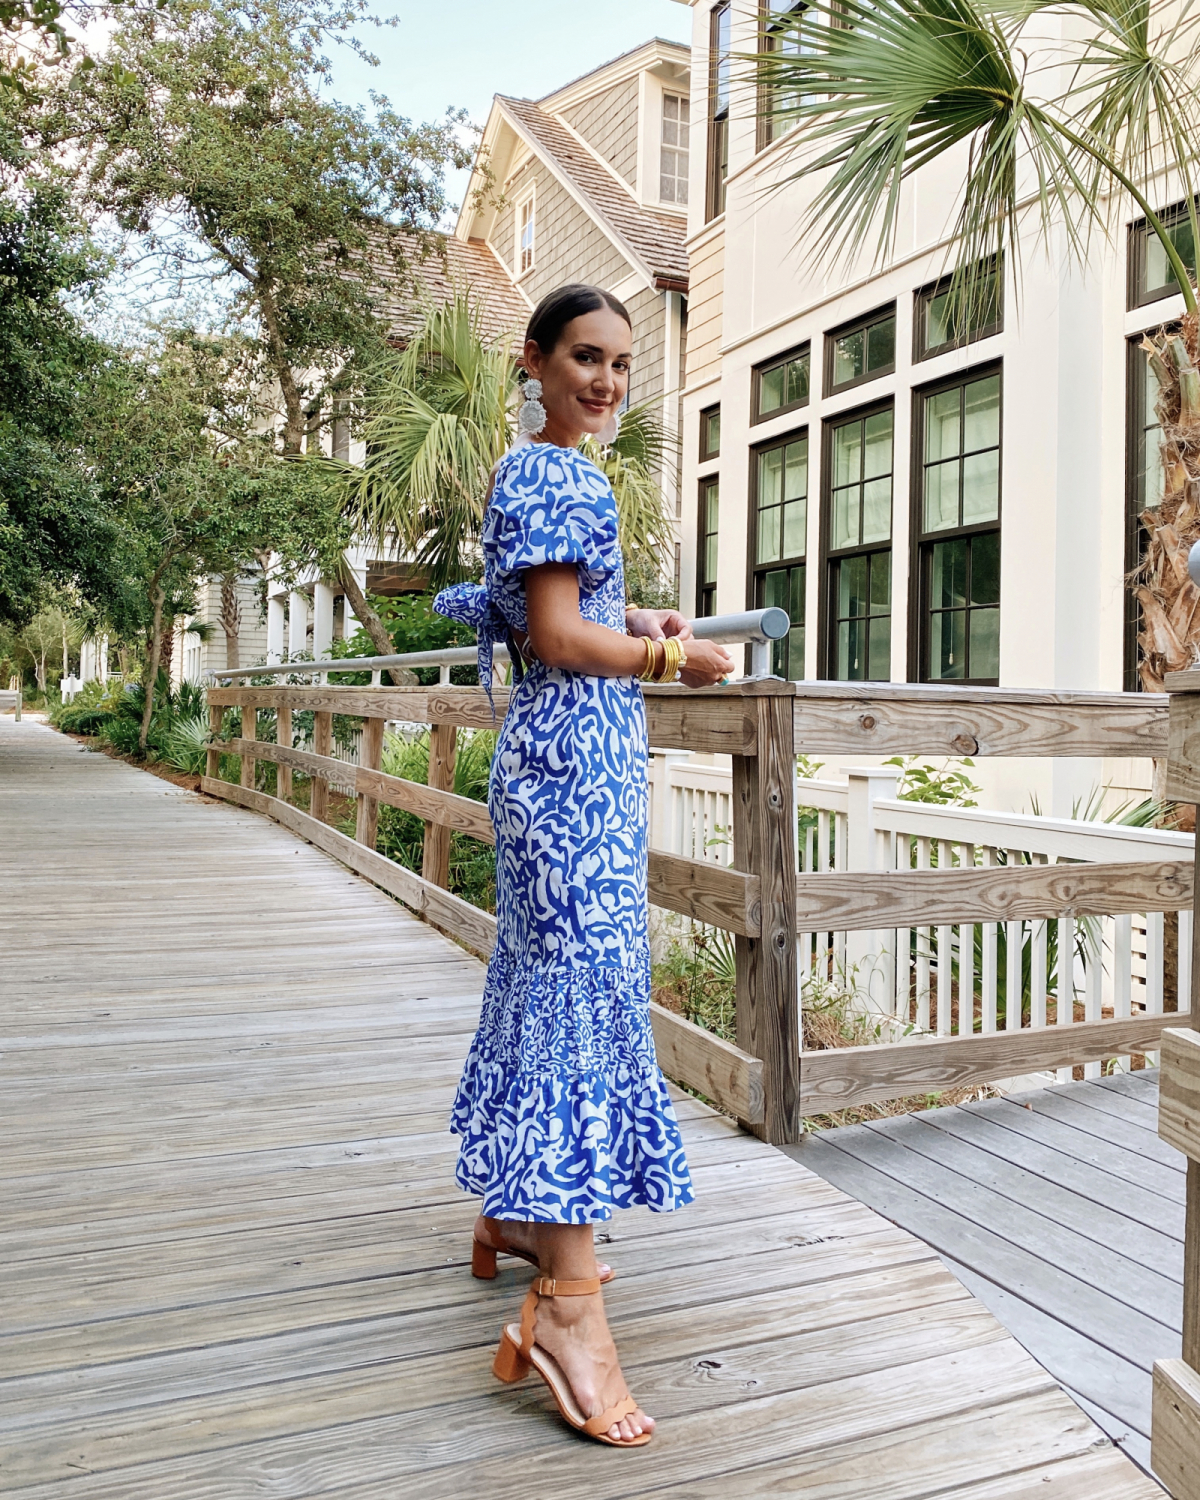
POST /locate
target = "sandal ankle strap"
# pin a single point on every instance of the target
(548, 1286)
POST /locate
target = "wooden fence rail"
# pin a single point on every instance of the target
(762, 899)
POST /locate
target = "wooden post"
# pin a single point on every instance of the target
(216, 717)
(443, 746)
(283, 736)
(249, 732)
(318, 804)
(1175, 1418)
(368, 807)
(764, 844)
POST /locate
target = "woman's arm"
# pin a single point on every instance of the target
(561, 637)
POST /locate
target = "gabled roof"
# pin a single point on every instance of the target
(652, 239)
(434, 269)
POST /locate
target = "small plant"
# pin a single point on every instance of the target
(186, 745)
(945, 786)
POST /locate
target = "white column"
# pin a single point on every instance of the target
(102, 663)
(87, 652)
(276, 623)
(870, 951)
(322, 620)
(297, 623)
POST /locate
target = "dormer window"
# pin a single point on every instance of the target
(673, 158)
(525, 236)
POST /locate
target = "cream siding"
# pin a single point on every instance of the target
(706, 284)
(609, 124)
(648, 311)
(568, 245)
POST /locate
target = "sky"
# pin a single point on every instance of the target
(446, 55)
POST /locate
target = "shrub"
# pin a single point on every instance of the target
(186, 744)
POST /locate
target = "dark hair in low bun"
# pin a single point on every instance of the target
(555, 311)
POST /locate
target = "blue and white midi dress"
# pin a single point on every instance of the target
(562, 1110)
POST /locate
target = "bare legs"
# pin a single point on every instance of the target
(574, 1329)
(520, 1235)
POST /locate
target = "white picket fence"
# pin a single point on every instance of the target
(956, 979)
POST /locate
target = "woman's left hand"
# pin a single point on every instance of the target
(658, 624)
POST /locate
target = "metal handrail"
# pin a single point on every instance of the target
(756, 628)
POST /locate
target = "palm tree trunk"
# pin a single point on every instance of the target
(152, 666)
(372, 624)
(231, 618)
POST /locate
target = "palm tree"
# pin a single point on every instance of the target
(883, 87)
(441, 414)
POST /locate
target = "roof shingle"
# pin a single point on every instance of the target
(433, 270)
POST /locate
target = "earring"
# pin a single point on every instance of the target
(532, 416)
(607, 435)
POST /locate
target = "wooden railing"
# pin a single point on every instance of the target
(764, 1080)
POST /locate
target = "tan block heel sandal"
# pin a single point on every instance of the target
(483, 1257)
(517, 1352)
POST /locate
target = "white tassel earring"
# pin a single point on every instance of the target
(607, 435)
(532, 416)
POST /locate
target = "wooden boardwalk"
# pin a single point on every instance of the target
(235, 1264)
(1061, 1209)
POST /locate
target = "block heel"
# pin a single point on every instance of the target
(483, 1261)
(510, 1364)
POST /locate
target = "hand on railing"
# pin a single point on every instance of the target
(707, 664)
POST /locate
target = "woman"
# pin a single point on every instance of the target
(562, 1110)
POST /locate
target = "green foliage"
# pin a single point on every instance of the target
(410, 621)
(401, 835)
(945, 786)
(883, 87)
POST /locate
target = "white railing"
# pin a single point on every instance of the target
(956, 979)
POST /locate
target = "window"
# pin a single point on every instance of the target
(718, 109)
(779, 544)
(525, 237)
(1150, 273)
(861, 351)
(1143, 486)
(673, 155)
(781, 385)
(958, 529)
(706, 562)
(858, 537)
(780, 33)
(710, 433)
(936, 328)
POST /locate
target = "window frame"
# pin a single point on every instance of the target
(828, 556)
(529, 202)
(1135, 259)
(920, 541)
(764, 136)
(703, 584)
(717, 128)
(755, 570)
(684, 150)
(767, 365)
(865, 321)
(925, 295)
(706, 454)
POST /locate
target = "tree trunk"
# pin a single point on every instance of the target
(372, 624)
(41, 671)
(295, 425)
(152, 666)
(166, 649)
(231, 618)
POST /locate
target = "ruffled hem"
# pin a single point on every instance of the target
(568, 1148)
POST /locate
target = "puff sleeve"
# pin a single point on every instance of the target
(551, 505)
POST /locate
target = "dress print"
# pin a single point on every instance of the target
(562, 1110)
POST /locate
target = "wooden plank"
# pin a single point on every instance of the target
(248, 737)
(1183, 748)
(366, 827)
(764, 843)
(466, 707)
(706, 892)
(318, 788)
(283, 738)
(843, 1077)
(475, 928)
(1179, 1088)
(1175, 1440)
(216, 717)
(446, 808)
(713, 721)
(699, 1060)
(443, 750)
(845, 902)
(904, 719)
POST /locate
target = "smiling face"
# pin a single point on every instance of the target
(584, 377)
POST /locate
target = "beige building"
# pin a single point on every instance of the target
(927, 508)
